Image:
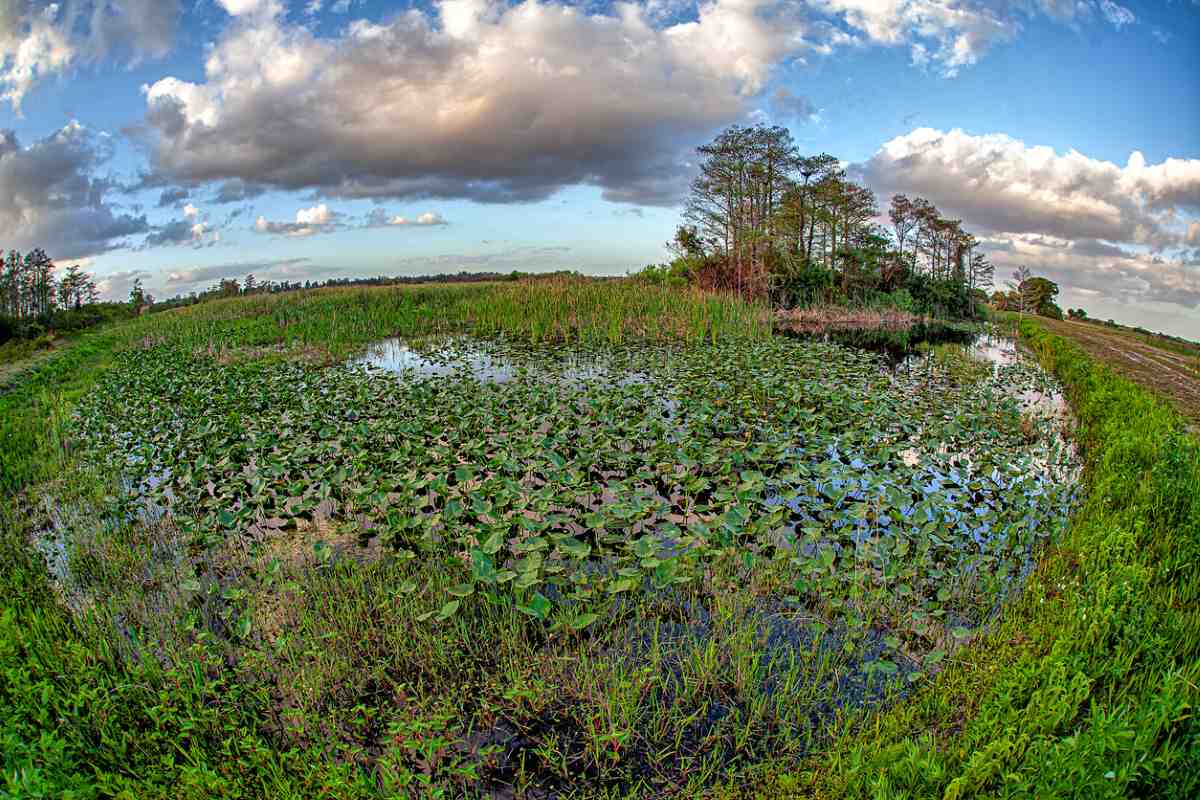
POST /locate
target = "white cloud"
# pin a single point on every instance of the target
(317, 215)
(39, 39)
(952, 33)
(241, 8)
(1087, 222)
(475, 99)
(1118, 16)
(50, 198)
(499, 101)
(380, 218)
(309, 221)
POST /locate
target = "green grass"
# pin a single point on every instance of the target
(1089, 687)
(339, 321)
(335, 689)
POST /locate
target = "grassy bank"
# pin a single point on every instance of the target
(1089, 686)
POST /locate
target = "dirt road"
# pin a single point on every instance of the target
(1174, 373)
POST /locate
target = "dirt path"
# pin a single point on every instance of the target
(1174, 375)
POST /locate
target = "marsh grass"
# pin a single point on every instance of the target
(315, 672)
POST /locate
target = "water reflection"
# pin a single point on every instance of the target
(483, 362)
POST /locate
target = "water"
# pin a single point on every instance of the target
(477, 360)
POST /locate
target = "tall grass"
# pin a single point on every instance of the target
(337, 321)
(566, 309)
(1089, 686)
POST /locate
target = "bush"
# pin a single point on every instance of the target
(799, 284)
(677, 273)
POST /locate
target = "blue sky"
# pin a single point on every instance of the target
(406, 138)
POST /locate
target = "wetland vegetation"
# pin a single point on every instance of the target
(578, 538)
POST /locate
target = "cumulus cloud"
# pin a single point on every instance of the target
(382, 219)
(50, 199)
(194, 229)
(40, 38)
(476, 99)
(245, 8)
(309, 221)
(1088, 222)
(499, 101)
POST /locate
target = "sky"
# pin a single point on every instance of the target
(185, 141)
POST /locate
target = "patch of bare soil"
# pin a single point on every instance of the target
(1174, 376)
(821, 319)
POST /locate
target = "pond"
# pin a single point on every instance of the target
(859, 517)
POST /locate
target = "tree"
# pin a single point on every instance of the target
(903, 216)
(732, 208)
(764, 220)
(76, 289)
(981, 273)
(137, 295)
(1021, 299)
(1041, 293)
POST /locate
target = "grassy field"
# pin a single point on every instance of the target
(667, 555)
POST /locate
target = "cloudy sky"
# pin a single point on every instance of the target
(182, 141)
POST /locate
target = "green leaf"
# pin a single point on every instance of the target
(462, 590)
(526, 579)
(622, 585)
(575, 548)
(583, 620)
(447, 611)
(482, 567)
(493, 543)
(539, 607)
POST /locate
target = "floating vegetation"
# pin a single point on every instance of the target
(492, 565)
(905, 502)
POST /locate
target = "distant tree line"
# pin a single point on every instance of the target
(29, 289)
(766, 222)
(34, 300)
(250, 285)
